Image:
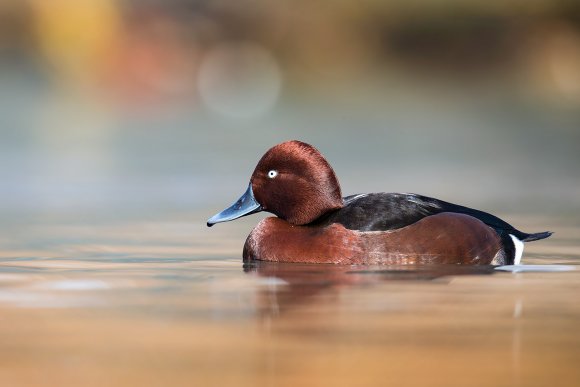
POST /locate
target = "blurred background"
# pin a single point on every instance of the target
(146, 108)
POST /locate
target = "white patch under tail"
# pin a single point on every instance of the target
(519, 249)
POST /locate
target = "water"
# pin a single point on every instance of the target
(113, 153)
(169, 302)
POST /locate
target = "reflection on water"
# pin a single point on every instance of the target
(149, 304)
(295, 284)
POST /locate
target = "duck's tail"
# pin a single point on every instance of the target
(513, 242)
(534, 237)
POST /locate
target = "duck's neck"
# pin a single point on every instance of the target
(315, 210)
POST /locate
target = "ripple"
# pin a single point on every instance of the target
(72, 285)
(535, 268)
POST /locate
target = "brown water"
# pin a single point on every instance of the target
(169, 303)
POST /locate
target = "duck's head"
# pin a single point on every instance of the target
(293, 181)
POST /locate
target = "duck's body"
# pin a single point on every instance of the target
(316, 225)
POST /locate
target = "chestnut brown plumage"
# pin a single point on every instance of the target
(305, 186)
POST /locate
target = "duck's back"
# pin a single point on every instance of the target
(392, 211)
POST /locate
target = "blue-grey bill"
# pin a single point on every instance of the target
(245, 205)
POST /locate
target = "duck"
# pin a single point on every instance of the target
(315, 224)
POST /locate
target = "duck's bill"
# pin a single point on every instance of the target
(245, 205)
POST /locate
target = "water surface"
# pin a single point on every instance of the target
(169, 302)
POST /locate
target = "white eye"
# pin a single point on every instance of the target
(272, 174)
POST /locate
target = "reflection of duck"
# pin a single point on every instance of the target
(288, 285)
(316, 225)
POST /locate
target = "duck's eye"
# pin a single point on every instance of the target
(272, 174)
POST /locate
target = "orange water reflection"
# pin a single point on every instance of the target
(109, 306)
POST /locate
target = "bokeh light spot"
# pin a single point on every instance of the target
(240, 80)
